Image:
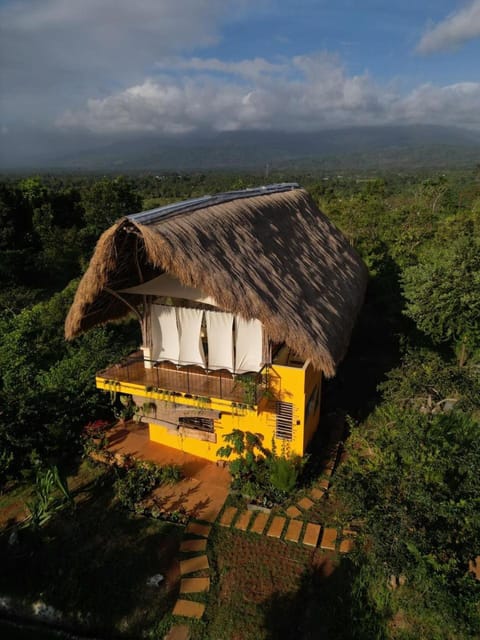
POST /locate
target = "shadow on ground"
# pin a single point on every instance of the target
(93, 563)
(323, 608)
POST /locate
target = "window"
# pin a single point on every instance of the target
(202, 424)
(284, 422)
(312, 404)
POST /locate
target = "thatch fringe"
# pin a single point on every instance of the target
(273, 257)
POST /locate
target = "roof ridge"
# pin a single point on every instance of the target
(151, 216)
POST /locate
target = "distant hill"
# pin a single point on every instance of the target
(355, 148)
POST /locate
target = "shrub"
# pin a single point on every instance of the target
(140, 479)
(284, 473)
(94, 437)
(51, 495)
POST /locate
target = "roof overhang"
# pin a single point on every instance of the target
(170, 287)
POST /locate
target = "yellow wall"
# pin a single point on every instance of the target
(289, 384)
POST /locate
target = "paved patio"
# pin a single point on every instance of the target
(204, 488)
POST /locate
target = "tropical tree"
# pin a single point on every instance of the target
(108, 200)
(412, 481)
(443, 295)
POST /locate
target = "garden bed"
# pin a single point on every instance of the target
(264, 588)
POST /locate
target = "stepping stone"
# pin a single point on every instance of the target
(198, 529)
(324, 484)
(194, 585)
(293, 512)
(188, 609)
(189, 546)
(312, 533)
(348, 542)
(260, 522)
(178, 632)
(276, 528)
(328, 471)
(227, 516)
(316, 494)
(293, 530)
(305, 503)
(193, 564)
(346, 545)
(243, 520)
(328, 539)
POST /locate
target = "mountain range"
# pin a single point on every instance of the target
(355, 148)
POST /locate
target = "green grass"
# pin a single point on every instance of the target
(92, 564)
(265, 589)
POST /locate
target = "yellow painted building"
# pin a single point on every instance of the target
(285, 412)
(246, 301)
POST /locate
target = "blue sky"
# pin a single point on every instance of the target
(117, 66)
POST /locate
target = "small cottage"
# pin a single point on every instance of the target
(246, 300)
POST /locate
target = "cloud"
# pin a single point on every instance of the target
(248, 68)
(452, 32)
(59, 52)
(304, 93)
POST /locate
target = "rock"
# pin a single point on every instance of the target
(13, 538)
(155, 581)
(45, 611)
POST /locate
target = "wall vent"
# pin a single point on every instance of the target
(284, 422)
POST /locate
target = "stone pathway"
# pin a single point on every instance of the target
(329, 539)
(312, 533)
(291, 528)
(194, 585)
(276, 528)
(188, 609)
(260, 523)
(294, 530)
(319, 490)
(179, 632)
(194, 547)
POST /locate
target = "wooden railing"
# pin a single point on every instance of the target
(189, 380)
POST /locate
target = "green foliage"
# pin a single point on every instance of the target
(249, 469)
(256, 471)
(138, 480)
(284, 472)
(107, 200)
(432, 382)
(412, 480)
(123, 407)
(249, 385)
(47, 386)
(6, 463)
(46, 501)
(443, 294)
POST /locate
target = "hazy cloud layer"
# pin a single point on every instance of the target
(117, 66)
(456, 29)
(301, 94)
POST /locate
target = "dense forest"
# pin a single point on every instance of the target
(410, 385)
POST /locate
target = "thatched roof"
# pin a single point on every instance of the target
(274, 257)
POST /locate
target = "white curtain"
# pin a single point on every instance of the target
(190, 326)
(220, 340)
(249, 345)
(165, 339)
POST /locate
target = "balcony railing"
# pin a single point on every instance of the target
(188, 380)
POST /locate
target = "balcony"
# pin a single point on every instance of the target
(189, 380)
